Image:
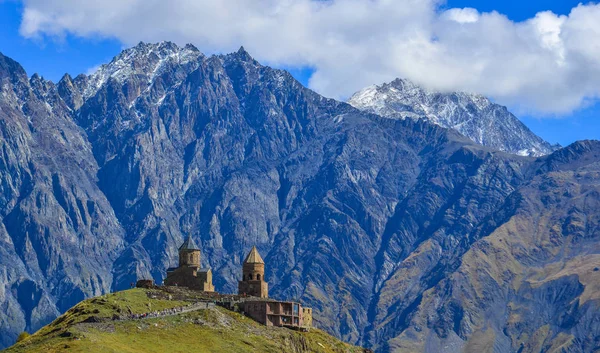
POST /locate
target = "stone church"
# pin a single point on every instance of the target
(189, 273)
(253, 290)
(253, 276)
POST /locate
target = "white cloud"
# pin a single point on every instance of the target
(547, 64)
(93, 69)
(466, 15)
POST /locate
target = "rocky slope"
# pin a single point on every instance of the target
(186, 326)
(372, 221)
(472, 115)
(59, 235)
(528, 283)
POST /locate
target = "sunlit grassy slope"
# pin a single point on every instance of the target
(88, 327)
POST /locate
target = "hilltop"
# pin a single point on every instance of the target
(185, 323)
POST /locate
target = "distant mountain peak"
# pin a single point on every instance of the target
(192, 47)
(471, 114)
(405, 84)
(241, 55)
(66, 77)
(10, 68)
(146, 60)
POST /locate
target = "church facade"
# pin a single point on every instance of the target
(189, 273)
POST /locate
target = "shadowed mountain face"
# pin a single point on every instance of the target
(398, 232)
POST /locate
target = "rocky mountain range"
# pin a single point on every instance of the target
(472, 115)
(401, 234)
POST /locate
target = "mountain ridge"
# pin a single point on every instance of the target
(368, 219)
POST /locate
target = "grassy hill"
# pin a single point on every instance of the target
(103, 324)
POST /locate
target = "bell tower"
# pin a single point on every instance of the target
(189, 254)
(253, 276)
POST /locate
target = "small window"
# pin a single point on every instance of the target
(250, 277)
(258, 277)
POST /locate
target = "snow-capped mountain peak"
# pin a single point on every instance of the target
(471, 114)
(145, 60)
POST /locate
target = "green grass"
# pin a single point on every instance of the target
(211, 330)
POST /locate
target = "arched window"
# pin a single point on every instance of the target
(258, 277)
(250, 277)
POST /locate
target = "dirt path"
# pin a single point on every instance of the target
(170, 312)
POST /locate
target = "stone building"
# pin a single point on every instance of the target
(253, 276)
(265, 311)
(275, 313)
(189, 273)
(307, 317)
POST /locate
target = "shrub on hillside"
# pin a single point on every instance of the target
(22, 336)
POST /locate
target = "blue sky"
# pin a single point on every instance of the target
(518, 10)
(74, 54)
(50, 58)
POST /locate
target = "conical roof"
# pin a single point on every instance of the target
(254, 257)
(189, 244)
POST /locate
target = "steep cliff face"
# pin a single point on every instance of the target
(367, 219)
(59, 235)
(530, 283)
(472, 115)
